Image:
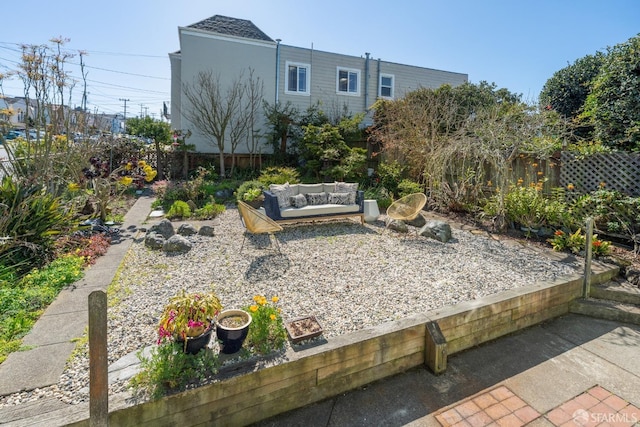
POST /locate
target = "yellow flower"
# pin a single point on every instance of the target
(520, 181)
(570, 187)
(540, 172)
(126, 180)
(129, 166)
(73, 186)
(253, 308)
(489, 183)
(257, 298)
(275, 299)
(535, 165)
(603, 184)
(150, 175)
(142, 163)
(273, 317)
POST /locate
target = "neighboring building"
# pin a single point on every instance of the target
(230, 47)
(12, 111)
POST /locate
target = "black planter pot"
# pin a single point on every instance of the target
(231, 339)
(195, 344)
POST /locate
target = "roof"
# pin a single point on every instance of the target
(231, 27)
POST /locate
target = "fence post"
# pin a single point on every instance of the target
(586, 288)
(98, 362)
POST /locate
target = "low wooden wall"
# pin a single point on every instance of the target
(356, 359)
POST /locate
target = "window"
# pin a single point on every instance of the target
(297, 78)
(348, 81)
(386, 86)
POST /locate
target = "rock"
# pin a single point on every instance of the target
(187, 230)
(206, 230)
(164, 228)
(154, 240)
(418, 221)
(177, 243)
(633, 276)
(396, 225)
(438, 230)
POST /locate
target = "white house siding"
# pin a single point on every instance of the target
(227, 58)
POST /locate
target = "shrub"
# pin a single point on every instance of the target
(525, 206)
(209, 211)
(380, 194)
(29, 220)
(179, 209)
(575, 242)
(169, 369)
(279, 175)
(250, 190)
(390, 176)
(406, 187)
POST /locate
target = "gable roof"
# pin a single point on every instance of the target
(231, 27)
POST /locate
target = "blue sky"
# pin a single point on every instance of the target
(516, 44)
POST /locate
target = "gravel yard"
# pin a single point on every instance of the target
(349, 276)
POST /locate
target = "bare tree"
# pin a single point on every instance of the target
(211, 109)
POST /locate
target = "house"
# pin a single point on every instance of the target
(230, 47)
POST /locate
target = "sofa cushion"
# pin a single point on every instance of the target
(283, 192)
(329, 187)
(315, 199)
(310, 188)
(327, 209)
(346, 187)
(341, 198)
(298, 201)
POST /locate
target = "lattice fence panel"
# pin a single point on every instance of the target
(614, 171)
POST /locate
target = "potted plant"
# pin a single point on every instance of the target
(232, 327)
(250, 192)
(189, 318)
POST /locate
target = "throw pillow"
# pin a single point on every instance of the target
(342, 198)
(346, 187)
(298, 201)
(314, 199)
(283, 192)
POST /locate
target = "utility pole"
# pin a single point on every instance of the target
(124, 120)
(141, 108)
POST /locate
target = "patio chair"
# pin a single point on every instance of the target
(408, 207)
(255, 222)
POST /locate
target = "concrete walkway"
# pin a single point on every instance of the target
(572, 371)
(51, 340)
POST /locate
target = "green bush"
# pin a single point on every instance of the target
(279, 175)
(179, 209)
(390, 176)
(525, 206)
(209, 211)
(406, 187)
(250, 190)
(30, 218)
(169, 369)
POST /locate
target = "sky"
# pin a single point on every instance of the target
(515, 44)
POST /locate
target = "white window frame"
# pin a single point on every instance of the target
(349, 71)
(393, 82)
(308, 78)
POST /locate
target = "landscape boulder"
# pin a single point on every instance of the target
(187, 230)
(418, 221)
(438, 230)
(153, 240)
(177, 243)
(164, 228)
(206, 230)
(396, 225)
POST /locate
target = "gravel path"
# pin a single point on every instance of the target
(348, 275)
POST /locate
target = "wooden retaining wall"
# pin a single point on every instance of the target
(356, 359)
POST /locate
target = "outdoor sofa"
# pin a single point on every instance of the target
(290, 203)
